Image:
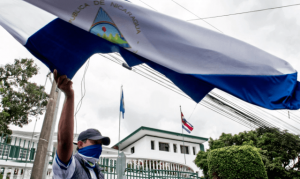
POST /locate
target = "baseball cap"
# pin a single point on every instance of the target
(93, 134)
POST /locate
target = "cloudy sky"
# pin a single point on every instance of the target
(149, 104)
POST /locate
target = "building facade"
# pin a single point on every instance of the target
(146, 149)
(164, 145)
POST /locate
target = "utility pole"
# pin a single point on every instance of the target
(44, 140)
(50, 146)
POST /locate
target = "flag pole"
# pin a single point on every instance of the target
(182, 136)
(120, 122)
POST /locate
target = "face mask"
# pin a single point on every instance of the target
(93, 151)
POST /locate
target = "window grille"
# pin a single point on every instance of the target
(164, 146)
(184, 149)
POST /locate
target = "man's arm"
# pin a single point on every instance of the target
(66, 122)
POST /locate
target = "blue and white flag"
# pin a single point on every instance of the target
(122, 104)
(66, 33)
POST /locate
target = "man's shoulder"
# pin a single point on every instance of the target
(63, 170)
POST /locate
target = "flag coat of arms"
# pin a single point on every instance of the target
(63, 34)
(186, 125)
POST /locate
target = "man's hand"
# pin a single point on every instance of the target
(64, 84)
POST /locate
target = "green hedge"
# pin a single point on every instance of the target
(236, 162)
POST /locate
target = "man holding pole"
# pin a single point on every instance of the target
(89, 145)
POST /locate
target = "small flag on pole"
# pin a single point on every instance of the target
(122, 104)
(186, 125)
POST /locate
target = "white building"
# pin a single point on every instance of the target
(164, 149)
(164, 145)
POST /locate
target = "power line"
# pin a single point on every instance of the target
(246, 12)
(139, 72)
(225, 113)
(253, 115)
(242, 113)
(197, 16)
(258, 109)
(259, 122)
(291, 116)
(148, 5)
(264, 123)
(193, 111)
(230, 110)
(232, 113)
(237, 114)
(83, 92)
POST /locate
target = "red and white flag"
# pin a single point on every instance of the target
(186, 125)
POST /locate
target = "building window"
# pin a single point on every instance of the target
(132, 150)
(194, 150)
(184, 149)
(175, 148)
(164, 146)
(152, 145)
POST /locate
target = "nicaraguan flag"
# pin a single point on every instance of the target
(122, 104)
(186, 125)
(66, 33)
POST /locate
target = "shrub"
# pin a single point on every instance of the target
(236, 162)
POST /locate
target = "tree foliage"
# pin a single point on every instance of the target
(236, 162)
(20, 98)
(280, 150)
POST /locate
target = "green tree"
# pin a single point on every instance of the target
(236, 162)
(20, 98)
(280, 151)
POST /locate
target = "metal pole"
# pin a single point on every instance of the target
(119, 133)
(182, 137)
(184, 147)
(120, 121)
(41, 153)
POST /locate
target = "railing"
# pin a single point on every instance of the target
(138, 168)
(15, 172)
(17, 157)
(135, 169)
(20, 152)
(16, 162)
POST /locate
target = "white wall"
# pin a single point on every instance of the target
(143, 149)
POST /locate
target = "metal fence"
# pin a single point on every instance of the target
(18, 150)
(146, 170)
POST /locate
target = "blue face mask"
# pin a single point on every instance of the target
(91, 151)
